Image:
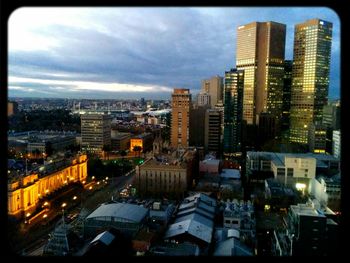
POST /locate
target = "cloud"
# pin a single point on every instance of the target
(137, 50)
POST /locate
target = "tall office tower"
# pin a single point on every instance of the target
(197, 122)
(233, 111)
(203, 99)
(317, 138)
(331, 121)
(311, 62)
(331, 116)
(220, 107)
(336, 144)
(213, 87)
(95, 132)
(260, 53)
(180, 115)
(212, 131)
(287, 85)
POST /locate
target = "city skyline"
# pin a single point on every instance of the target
(83, 54)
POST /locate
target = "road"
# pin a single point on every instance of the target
(34, 236)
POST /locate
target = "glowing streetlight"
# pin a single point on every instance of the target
(45, 215)
(47, 191)
(63, 205)
(93, 177)
(75, 197)
(98, 182)
(107, 178)
(90, 187)
(46, 203)
(28, 215)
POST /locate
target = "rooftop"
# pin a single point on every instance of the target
(122, 211)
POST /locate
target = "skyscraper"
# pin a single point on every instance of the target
(260, 53)
(212, 130)
(311, 62)
(287, 85)
(213, 87)
(181, 104)
(95, 132)
(233, 111)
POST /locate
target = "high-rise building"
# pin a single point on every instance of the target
(197, 125)
(336, 144)
(180, 115)
(95, 132)
(212, 130)
(311, 63)
(233, 111)
(220, 107)
(331, 116)
(287, 85)
(331, 121)
(317, 138)
(260, 53)
(213, 87)
(203, 99)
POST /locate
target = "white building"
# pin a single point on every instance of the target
(336, 143)
(292, 169)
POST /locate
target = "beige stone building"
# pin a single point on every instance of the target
(24, 193)
(166, 174)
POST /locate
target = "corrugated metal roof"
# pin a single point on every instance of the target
(126, 212)
(105, 237)
(192, 227)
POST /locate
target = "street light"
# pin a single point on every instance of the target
(63, 206)
(74, 197)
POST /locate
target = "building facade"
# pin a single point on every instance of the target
(311, 64)
(95, 132)
(213, 87)
(337, 144)
(180, 115)
(287, 85)
(233, 111)
(203, 99)
(197, 126)
(260, 53)
(212, 131)
(24, 193)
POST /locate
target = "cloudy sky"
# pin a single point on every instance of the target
(136, 52)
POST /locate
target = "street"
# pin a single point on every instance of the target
(32, 237)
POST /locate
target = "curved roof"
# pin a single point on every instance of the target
(120, 211)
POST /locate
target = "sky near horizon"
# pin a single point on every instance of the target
(129, 53)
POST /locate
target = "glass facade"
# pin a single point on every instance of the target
(310, 76)
(260, 53)
(233, 114)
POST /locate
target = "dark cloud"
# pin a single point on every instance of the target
(172, 47)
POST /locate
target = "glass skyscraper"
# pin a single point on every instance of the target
(310, 76)
(233, 111)
(260, 53)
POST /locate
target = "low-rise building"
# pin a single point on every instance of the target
(25, 191)
(120, 141)
(194, 221)
(166, 175)
(292, 169)
(144, 140)
(127, 218)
